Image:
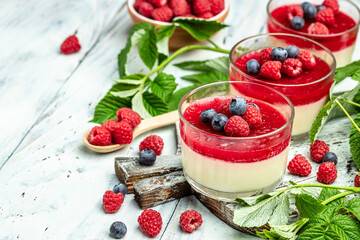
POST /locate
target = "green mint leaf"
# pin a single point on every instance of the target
(178, 95)
(350, 70)
(200, 29)
(353, 206)
(327, 193)
(163, 86)
(318, 233)
(209, 77)
(220, 64)
(308, 206)
(153, 104)
(283, 232)
(136, 33)
(355, 141)
(138, 105)
(147, 48)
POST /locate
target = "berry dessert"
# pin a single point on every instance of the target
(333, 23)
(304, 75)
(234, 143)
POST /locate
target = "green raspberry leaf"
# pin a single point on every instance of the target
(355, 141)
(308, 206)
(163, 86)
(353, 206)
(148, 50)
(133, 79)
(200, 29)
(165, 32)
(351, 70)
(154, 105)
(178, 95)
(209, 77)
(327, 193)
(318, 233)
(283, 232)
(163, 35)
(220, 64)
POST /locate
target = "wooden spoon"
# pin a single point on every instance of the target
(145, 125)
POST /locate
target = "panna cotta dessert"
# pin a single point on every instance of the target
(235, 141)
(333, 23)
(303, 74)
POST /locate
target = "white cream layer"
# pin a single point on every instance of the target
(343, 57)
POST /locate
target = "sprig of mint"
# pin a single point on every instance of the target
(324, 216)
(154, 93)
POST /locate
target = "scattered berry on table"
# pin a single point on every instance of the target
(153, 142)
(297, 23)
(128, 115)
(320, 7)
(163, 14)
(252, 115)
(292, 67)
(147, 157)
(207, 115)
(150, 222)
(318, 150)
(309, 11)
(265, 55)
(271, 70)
(112, 202)
(218, 122)
(190, 220)
(70, 45)
(252, 66)
(145, 9)
(110, 125)
(307, 59)
(118, 230)
(179, 7)
(238, 106)
(123, 133)
(224, 107)
(158, 3)
(206, 15)
(318, 28)
(326, 16)
(333, 4)
(279, 54)
(300, 166)
(217, 6)
(99, 136)
(253, 104)
(357, 180)
(327, 173)
(236, 126)
(295, 11)
(201, 6)
(330, 157)
(120, 188)
(293, 51)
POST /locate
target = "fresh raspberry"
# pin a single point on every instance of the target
(123, 133)
(325, 16)
(318, 29)
(152, 142)
(333, 4)
(145, 9)
(318, 150)
(292, 67)
(242, 60)
(158, 3)
(265, 55)
(252, 115)
(271, 70)
(206, 15)
(70, 45)
(300, 166)
(112, 202)
(163, 14)
(294, 11)
(224, 107)
(307, 59)
(357, 180)
(236, 126)
(190, 220)
(217, 6)
(188, 10)
(99, 136)
(128, 115)
(327, 173)
(179, 7)
(150, 222)
(189, 15)
(137, 4)
(190, 1)
(110, 125)
(201, 6)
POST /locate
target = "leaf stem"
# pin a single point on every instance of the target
(348, 189)
(353, 103)
(339, 195)
(213, 43)
(347, 114)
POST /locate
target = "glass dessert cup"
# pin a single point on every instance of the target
(224, 167)
(341, 44)
(308, 98)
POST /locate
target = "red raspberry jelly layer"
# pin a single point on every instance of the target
(343, 23)
(219, 146)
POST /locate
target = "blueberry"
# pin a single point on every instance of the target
(330, 157)
(309, 11)
(218, 122)
(118, 230)
(304, 4)
(292, 51)
(237, 106)
(252, 66)
(253, 104)
(297, 23)
(320, 7)
(279, 54)
(207, 115)
(147, 157)
(120, 188)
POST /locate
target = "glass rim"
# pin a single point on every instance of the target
(279, 84)
(314, 35)
(228, 138)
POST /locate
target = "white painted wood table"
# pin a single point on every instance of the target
(51, 186)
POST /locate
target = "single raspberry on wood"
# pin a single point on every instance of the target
(318, 29)
(357, 180)
(152, 142)
(327, 173)
(252, 115)
(265, 55)
(236, 126)
(163, 14)
(271, 70)
(190, 220)
(292, 67)
(110, 125)
(217, 6)
(318, 150)
(146, 9)
(150, 222)
(123, 133)
(99, 136)
(300, 166)
(294, 11)
(129, 116)
(112, 202)
(307, 59)
(333, 4)
(179, 7)
(70, 45)
(201, 6)
(325, 16)
(158, 3)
